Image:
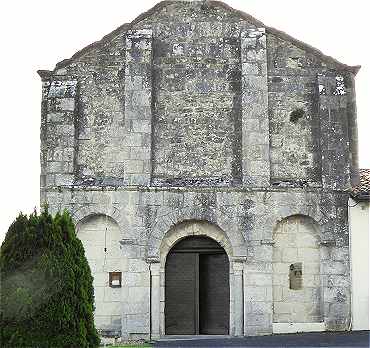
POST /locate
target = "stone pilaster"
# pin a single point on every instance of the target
(138, 104)
(58, 132)
(336, 286)
(258, 294)
(255, 123)
(136, 284)
(155, 299)
(352, 130)
(334, 132)
(238, 267)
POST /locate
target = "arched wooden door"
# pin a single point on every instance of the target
(197, 295)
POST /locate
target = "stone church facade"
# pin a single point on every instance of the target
(206, 160)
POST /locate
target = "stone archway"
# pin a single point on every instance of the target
(193, 228)
(82, 213)
(197, 289)
(162, 230)
(186, 229)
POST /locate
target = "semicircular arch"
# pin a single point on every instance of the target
(167, 224)
(191, 228)
(314, 225)
(86, 212)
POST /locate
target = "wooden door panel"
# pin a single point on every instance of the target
(197, 298)
(181, 293)
(214, 294)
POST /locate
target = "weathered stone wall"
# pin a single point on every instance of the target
(216, 101)
(58, 140)
(198, 112)
(248, 219)
(294, 129)
(197, 104)
(335, 133)
(255, 127)
(293, 113)
(114, 122)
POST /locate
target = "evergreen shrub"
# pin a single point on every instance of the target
(47, 296)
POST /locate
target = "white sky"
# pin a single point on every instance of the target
(37, 34)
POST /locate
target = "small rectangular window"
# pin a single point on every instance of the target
(295, 276)
(115, 279)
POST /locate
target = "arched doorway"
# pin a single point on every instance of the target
(197, 288)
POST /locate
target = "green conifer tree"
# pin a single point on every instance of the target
(47, 296)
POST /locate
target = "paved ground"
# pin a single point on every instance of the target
(325, 339)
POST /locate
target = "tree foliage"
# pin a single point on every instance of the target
(47, 297)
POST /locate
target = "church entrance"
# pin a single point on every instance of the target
(197, 295)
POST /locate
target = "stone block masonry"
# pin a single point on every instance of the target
(197, 120)
(138, 105)
(58, 132)
(335, 131)
(145, 217)
(255, 125)
(197, 106)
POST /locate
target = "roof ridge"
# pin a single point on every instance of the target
(127, 26)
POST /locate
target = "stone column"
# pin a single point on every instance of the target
(238, 266)
(255, 122)
(155, 298)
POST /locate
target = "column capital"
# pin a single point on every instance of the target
(238, 259)
(238, 264)
(153, 259)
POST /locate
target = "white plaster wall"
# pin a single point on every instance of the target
(359, 243)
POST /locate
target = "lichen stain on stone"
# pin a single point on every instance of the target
(296, 115)
(340, 88)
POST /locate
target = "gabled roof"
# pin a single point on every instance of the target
(361, 192)
(210, 3)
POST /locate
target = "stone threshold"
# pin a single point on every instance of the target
(279, 328)
(192, 337)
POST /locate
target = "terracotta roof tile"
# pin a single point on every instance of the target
(362, 190)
